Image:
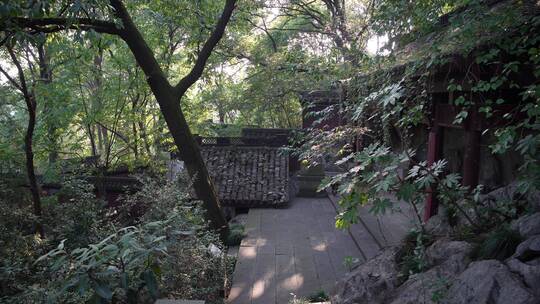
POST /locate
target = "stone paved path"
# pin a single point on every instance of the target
(298, 250)
(293, 250)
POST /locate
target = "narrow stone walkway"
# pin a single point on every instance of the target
(296, 250)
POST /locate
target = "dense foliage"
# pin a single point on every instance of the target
(494, 48)
(76, 87)
(389, 106)
(97, 254)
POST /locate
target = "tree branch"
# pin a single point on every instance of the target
(206, 51)
(10, 79)
(140, 49)
(49, 25)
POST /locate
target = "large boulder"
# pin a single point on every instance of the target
(489, 282)
(528, 225)
(448, 259)
(506, 193)
(534, 200)
(526, 263)
(438, 225)
(451, 277)
(444, 250)
(511, 192)
(371, 282)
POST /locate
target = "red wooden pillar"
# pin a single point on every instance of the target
(433, 154)
(471, 158)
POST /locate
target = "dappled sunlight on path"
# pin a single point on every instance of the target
(296, 250)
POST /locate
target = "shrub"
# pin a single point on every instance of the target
(19, 247)
(75, 214)
(236, 234)
(139, 263)
(84, 257)
(319, 296)
(165, 252)
(411, 257)
(154, 200)
(498, 244)
(122, 267)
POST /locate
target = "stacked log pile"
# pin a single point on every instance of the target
(249, 176)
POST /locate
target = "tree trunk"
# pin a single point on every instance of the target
(144, 136)
(30, 100)
(34, 189)
(168, 98)
(135, 145)
(91, 137)
(166, 95)
(189, 152)
(96, 102)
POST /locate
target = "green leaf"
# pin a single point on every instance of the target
(124, 283)
(380, 206)
(110, 247)
(159, 239)
(528, 144)
(132, 296)
(151, 283)
(103, 291)
(83, 285)
(157, 270)
(462, 115)
(406, 192)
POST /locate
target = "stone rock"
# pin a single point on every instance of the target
(443, 250)
(506, 193)
(214, 250)
(419, 288)
(489, 282)
(309, 179)
(510, 192)
(529, 249)
(528, 225)
(438, 225)
(534, 200)
(449, 259)
(371, 282)
(526, 262)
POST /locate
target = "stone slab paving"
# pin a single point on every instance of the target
(373, 232)
(296, 250)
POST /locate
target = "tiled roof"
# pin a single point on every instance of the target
(249, 176)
